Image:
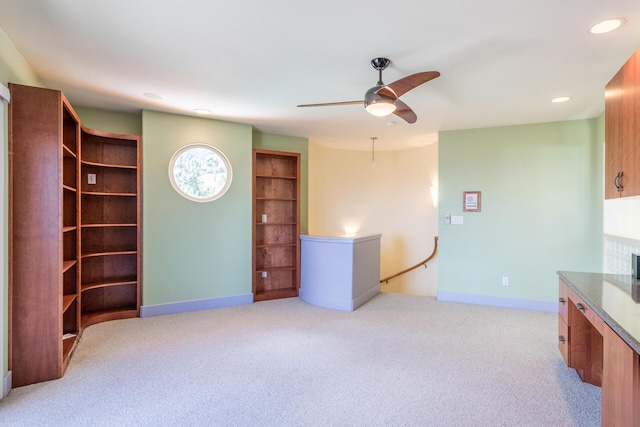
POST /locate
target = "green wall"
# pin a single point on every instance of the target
(110, 121)
(292, 144)
(541, 212)
(194, 250)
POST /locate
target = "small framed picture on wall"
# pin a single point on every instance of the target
(472, 201)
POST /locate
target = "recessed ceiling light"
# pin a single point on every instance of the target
(607, 26)
(391, 122)
(202, 111)
(561, 99)
(152, 95)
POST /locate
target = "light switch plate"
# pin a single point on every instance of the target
(457, 219)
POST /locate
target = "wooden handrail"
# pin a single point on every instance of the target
(433, 254)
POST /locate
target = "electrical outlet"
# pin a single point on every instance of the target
(91, 178)
(505, 281)
(264, 274)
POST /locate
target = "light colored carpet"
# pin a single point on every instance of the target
(398, 360)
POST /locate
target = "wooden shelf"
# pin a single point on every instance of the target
(67, 347)
(66, 151)
(96, 193)
(107, 165)
(92, 318)
(67, 265)
(110, 253)
(276, 242)
(107, 225)
(275, 294)
(67, 300)
(276, 245)
(115, 282)
(44, 141)
(276, 176)
(267, 269)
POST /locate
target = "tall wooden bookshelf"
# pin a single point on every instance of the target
(276, 224)
(44, 139)
(74, 248)
(110, 207)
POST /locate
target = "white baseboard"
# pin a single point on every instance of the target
(194, 305)
(548, 306)
(6, 385)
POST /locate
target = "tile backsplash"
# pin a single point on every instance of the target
(617, 254)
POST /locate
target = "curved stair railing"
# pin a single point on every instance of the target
(433, 254)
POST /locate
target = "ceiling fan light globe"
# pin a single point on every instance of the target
(380, 107)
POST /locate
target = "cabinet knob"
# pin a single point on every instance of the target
(561, 339)
(580, 307)
(561, 300)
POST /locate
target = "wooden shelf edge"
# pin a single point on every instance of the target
(102, 193)
(108, 165)
(123, 282)
(277, 177)
(267, 269)
(89, 319)
(275, 294)
(67, 265)
(109, 253)
(276, 223)
(69, 188)
(277, 199)
(68, 152)
(68, 344)
(107, 225)
(67, 300)
(69, 228)
(277, 245)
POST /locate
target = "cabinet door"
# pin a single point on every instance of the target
(620, 382)
(613, 136)
(622, 131)
(630, 136)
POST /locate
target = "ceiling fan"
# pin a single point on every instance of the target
(382, 100)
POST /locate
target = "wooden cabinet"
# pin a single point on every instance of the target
(276, 224)
(110, 226)
(44, 137)
(622, 131)
(563, 322)
(620, 382)
(74, 247)
(601, 358)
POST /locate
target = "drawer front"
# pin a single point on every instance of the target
(591, 315)
(563, 340)
(563, 301)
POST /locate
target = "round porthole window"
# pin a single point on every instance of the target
(200, 172)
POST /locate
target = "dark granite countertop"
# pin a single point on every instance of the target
(614, 297)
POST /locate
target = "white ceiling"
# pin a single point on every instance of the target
(253, 61)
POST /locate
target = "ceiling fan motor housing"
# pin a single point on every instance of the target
(380, 63)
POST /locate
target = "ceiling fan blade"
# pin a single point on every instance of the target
(404, 85)
(328, 104)
(404, 112)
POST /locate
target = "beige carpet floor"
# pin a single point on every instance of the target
(396, 361)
